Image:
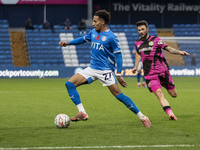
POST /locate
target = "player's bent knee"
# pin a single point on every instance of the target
(174, 94)
(69, 85)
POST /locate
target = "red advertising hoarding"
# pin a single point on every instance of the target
(14, 2)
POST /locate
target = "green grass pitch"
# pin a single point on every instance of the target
(28, 108)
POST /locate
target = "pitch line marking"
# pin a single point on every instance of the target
(98, 147)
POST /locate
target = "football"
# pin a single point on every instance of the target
(62, 121)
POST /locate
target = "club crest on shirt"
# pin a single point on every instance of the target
(151, 43)
(104, 38)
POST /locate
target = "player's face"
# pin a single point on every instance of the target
(97, 23)
(143, 31)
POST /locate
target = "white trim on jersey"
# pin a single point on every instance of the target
(85, 39)
(119, 51)
(111, 60)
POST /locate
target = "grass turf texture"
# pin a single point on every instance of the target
(28, 108)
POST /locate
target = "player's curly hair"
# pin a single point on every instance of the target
(142, 22)
(103, 14)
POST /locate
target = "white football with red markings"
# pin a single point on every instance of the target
(62, 121)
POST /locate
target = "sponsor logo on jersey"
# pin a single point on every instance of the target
(145, 49)
(151, 43)
(97, 46)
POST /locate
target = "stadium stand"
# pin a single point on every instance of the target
(186, 30)
(188, 43)
(5, 49)
(43, 48)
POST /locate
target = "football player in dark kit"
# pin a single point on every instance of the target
(156, 70)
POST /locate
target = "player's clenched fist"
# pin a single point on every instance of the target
(61, 43)
(134, 70)
(184, 53)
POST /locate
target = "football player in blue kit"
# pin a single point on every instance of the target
(105, 55)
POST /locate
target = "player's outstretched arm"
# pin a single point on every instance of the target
(175, 51)
(76, 41)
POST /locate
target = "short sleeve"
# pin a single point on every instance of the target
(135, 48)
(87, 37)
(161, 43)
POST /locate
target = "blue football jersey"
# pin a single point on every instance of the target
(103, 46)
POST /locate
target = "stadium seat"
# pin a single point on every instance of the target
(5, 49)
(188, 30)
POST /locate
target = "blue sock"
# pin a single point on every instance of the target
(138, 77)
(143, 79)
(73, 94)
(128, 102)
